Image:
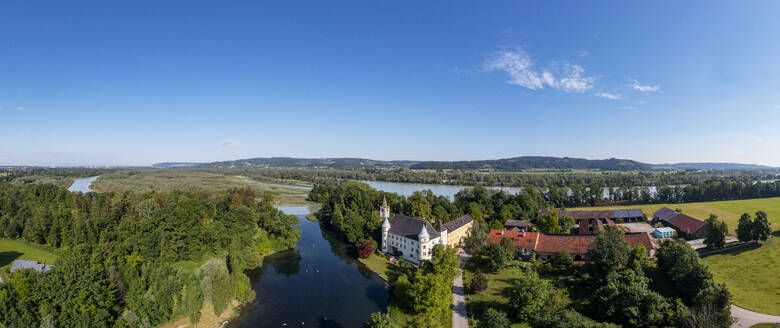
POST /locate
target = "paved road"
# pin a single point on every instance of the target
(459, 317)
(746, 318)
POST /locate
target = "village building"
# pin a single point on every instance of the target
(592, 216)
(546, 245)
(686, 226)
(414, 238)
(517, 225)
(25, 264)
(524, 241)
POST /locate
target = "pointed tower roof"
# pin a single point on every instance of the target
(386, 224)
(423, 233)
(384, 201)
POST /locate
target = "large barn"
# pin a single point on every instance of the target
(686, 226)
(545, 245)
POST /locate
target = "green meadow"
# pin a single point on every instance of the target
(11, 250)
(144, 180)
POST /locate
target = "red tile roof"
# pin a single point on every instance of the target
(578, 244)
(520, 238)
(686, 224)
(639, 238)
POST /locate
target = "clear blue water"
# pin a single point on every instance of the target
(82, 185)
(318, 284)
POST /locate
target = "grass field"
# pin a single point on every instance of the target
(143, 180)
(766, 325)
(11, 250)
(378, 264)
(728, 211)
(751, 275)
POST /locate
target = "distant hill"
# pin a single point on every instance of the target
(716, 166)
(539, 162)
(514, 164)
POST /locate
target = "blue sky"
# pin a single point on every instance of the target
(135, 82)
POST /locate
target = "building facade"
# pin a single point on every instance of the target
(414, 238)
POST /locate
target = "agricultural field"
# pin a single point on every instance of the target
(144, 180)
(750, 274)
(728, 211)
(11, 250)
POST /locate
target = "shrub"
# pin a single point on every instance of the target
(492, 318)
(479, 282)
(366, 248)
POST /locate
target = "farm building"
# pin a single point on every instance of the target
(686, 226)
(25, 264)
(663, 232)
(524, 241)
(630, 215)
(517, 225)
(545, 245)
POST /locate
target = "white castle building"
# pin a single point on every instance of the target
(414, 238)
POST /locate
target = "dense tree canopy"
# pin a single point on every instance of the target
(118, 252)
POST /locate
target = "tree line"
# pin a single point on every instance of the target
(119, 254)
(504, 179)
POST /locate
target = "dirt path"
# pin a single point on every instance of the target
(745, 318)
(459, 316)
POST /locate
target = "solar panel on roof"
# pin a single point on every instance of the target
(635, 213)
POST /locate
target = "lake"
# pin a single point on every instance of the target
(82, 185)
(449, 191)
(318, 284)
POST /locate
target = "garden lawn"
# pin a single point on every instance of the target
(751, 275)
(11, 250)
(377, 264)
(495, 296)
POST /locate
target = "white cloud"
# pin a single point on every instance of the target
(519, 66)
(608, 95)
(644, 88)
(20, 108)
(231, 143)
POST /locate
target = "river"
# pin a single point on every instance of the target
(318, 284)
(82, 185)
(449, 191)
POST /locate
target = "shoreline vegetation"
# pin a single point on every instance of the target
(184, 180)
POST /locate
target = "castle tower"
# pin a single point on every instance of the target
(384, 210)
(442, 233)
(386, 236)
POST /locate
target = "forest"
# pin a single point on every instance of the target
(121, 255)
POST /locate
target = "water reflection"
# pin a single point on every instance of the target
(318, 284)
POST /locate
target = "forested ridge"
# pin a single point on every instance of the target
(120, 254)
